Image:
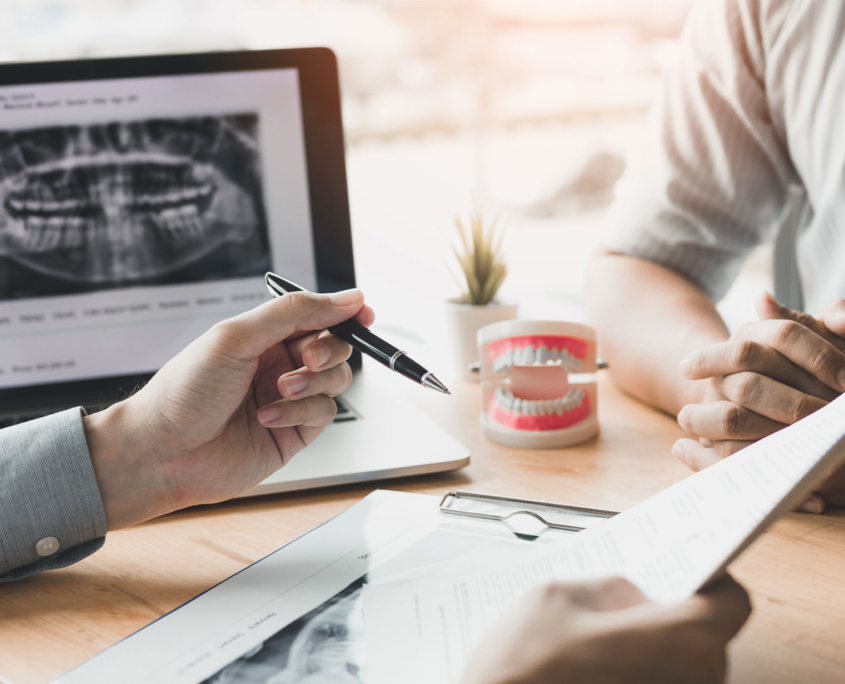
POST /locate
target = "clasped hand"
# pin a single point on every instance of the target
(769, 374)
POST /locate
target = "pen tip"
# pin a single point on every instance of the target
(430, 381)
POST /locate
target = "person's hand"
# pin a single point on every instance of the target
(769, 374)
(609, 633)
(233, 407)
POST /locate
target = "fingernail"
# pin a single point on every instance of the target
(840, 378)
(686, 364)
(346, 297)
(678, 451)
(295, 383)
(811, 505)
(320, 354)
(269, 415)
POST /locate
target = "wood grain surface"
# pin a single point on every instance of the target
(52, 622)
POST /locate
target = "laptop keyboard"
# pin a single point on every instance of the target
(344, 414)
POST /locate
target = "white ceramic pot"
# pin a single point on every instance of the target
(462, 323)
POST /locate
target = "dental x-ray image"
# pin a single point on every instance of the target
(149, 202)
(325, 646)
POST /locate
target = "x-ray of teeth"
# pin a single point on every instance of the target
(325, 646)
(148, 202)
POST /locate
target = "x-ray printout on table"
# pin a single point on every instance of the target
(670, 546)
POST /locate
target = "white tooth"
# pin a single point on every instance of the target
(508, 358)
(33, 205)
(543, 408)
(35, 228)
(532, 408)
(554, 354)
(16, 204)
(502, 397)
(190, 193)
(528, 356)
(53, 234)
(73, 232)
(558, 404)
(517, 357)
(543, 355)
(517, 405)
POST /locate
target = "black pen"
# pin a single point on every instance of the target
(363, 340)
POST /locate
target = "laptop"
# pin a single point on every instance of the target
(142, 200)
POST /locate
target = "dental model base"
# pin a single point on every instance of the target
(538, 383)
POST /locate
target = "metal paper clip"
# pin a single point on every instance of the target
(505, 509)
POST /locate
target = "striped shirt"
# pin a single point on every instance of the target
(749, 125)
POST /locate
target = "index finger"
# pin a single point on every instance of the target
(252, 333)
(803, 347)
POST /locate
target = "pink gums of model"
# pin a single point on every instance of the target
(538, 383)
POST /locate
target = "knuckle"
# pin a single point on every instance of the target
(225, 334)
(745, 354)
(733, 418)
(826, 358)
(798, 407)
(746, 388)
(786, 333)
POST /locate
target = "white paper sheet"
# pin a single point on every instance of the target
(670, 546)
(296, 615)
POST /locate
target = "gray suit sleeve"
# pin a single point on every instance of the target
(47, 489)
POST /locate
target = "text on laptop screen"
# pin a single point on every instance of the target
(136, 213)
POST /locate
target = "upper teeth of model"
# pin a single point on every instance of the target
(573, 399)
(528, 356)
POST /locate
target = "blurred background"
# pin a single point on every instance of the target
(521, 107)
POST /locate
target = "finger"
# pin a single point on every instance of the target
(725, 420)
(694, 455)
(305, 383)
(768, 397)
(723, 608)
(802, 346)
(252, 333)
(768, 308)
(614, 593)
(728, 447)
(319, 351)
(316, 411)
(366, 316)
(814, 503)
(833, 317)
(737, 356)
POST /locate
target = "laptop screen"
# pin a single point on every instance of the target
(136, 213)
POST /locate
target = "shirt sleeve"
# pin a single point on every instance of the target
(51, 512)
(710, 178)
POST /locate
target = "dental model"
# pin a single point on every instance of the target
(538, 387)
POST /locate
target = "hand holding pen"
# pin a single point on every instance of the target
(366, 342)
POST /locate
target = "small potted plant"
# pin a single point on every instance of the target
(482, 272)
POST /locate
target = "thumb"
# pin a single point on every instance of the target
(252, 333)
(769, 308)
(834, 317)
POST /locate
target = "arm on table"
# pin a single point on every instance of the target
(648, 319)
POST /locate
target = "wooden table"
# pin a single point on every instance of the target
(51, 622)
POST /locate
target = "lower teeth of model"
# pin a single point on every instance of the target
(573, 399)
(541, 356)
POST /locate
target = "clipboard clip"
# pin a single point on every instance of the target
(515, 512)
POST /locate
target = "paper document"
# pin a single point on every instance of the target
(296, 615)
(669, 546)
